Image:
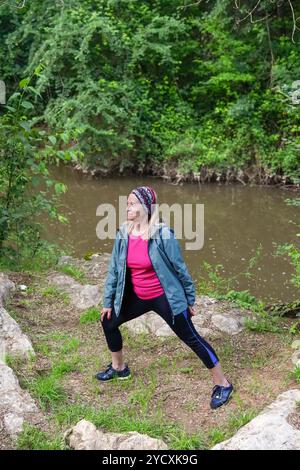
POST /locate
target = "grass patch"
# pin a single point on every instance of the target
(91, 315)
(240, 418)
(32, 438)
(70, 345)
(264, 322)
(235, 421)
(74, 272)
(295, 374)
(57, 343)
(186, 370)
(142, 394)
(121, 419)
(65, 366)
(216, 435)
(26, 261)
(47, 390)
(54, 293)
(15, 361)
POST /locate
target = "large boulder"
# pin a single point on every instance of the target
(276, 428)
(85, 436)
(95, 269)
(81, 296)
(16, 405)
(6, 288)
(12, 340)
(296, 358)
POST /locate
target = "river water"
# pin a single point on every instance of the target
(237, 220)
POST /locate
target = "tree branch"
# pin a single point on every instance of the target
(294, 20)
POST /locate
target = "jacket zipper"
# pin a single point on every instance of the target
(124, 275)
(160, 281)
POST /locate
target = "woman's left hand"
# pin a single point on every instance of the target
(192, 310)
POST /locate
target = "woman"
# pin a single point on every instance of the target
(147, 272)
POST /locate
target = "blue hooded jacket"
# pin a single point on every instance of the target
(165, 254)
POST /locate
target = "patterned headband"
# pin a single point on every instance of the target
(147, 196)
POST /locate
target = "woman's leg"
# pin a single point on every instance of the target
(132, 307)
(184, 328)
(218, 377)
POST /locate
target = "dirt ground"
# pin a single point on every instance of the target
(167, 377)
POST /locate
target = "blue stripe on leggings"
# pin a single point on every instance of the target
(211, 355)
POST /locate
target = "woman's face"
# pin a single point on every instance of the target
(135, 210)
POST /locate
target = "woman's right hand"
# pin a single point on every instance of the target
(106, 311)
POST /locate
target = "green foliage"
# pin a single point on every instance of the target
(240, 418)
(291, 249)
(70, 345)
(122, 418)
(147, 83)
(47, 390)
(91, 315)
(295, 328)
(293, 253)
(73, 271)
(26, 189)
(243, 299)
(214, 283)
(295, 374)
(220, 287)
(263, 322)
(293, 202)
(32, 438)
(55, 293)
(47, 387)
(216, 435)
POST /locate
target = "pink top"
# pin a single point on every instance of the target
(145, 282)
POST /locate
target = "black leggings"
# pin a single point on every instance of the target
(133, 307)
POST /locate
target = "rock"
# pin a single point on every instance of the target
(12, 340)
(296, 358)
(228, 324)
(13, 424)
(151, 322)
(63, 260)
(81, 296)
(296, 344)
(22, 287)
(95, 269)
(6, 287)
(205, 300)
(16, 405)
(270, 430)
(212, 317)
(85, 436)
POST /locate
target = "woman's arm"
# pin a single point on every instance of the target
(112, 278)
(173, 251)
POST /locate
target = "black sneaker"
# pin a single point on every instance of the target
(220, 395)
(111, 373)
